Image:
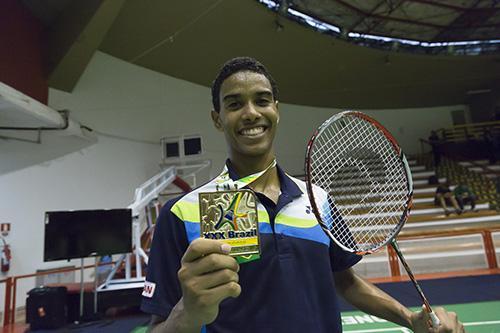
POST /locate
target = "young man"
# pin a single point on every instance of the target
(193, 285)
(464, 196)
(444, 197)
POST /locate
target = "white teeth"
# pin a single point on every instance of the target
(252, 131)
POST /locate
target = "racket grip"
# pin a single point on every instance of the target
(435, 320)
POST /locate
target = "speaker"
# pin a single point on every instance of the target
(46, 307)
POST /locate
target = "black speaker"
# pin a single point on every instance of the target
(46, 307)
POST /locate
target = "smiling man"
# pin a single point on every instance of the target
(194, 285)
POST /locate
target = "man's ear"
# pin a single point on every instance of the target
(277, 111)
(216, 119)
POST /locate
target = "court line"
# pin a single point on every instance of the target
(397, 329)
(404, 329)
(478, 323)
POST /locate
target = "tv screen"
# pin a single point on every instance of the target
(87, 233)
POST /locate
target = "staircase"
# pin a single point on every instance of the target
(440, 254)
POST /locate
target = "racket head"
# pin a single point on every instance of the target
(358, 182)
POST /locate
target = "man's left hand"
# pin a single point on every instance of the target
(449, 322)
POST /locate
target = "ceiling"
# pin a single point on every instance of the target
(421, 20)
(191, 39)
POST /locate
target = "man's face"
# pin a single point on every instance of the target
(248, 115)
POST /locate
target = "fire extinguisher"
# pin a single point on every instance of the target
(5, 256)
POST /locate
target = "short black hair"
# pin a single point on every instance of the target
(235, 65)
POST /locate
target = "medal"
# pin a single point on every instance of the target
(230, 215)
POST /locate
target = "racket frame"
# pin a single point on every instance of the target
(398, 151)
(391, 240)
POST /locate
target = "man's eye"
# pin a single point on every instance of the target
(263, 102)
(233, 106)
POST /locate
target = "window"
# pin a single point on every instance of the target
(192, 146)
(180, 147)
(172, 149)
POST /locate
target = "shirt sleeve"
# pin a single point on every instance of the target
(162, 290)
(341, 259)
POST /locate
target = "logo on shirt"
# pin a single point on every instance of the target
(149, 289)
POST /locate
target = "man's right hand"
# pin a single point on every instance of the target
(208, 275)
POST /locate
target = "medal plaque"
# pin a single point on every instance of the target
(231, 217)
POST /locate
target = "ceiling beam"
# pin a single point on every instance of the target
(389, 18)
(408, 21)
(74, 36)
(361, 20)
(448, 6)
(468, 20)
(377, 23)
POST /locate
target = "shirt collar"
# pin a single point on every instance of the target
(287, 185)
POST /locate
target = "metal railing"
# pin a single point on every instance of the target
(10, 300)
(471, 131)
(395, 272)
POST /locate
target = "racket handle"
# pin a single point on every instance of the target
(435, 320)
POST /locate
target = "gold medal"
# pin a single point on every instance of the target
(231, 217)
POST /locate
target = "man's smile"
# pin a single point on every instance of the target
(252, 132)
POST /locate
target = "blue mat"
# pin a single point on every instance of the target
(457, 290)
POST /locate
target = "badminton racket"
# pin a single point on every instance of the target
(360, 186)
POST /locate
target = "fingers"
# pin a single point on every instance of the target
(421, 321)
(213, 279)
(212, 297)
(206, 264)
(230, 289)
(213, 262)
(449, 322)
(208, 275)
(201, 247)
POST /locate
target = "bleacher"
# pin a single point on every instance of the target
(434, 242)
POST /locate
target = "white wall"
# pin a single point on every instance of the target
(297, 123)
(101, 176)
(121, 99)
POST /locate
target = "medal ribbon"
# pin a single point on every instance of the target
(224, 182)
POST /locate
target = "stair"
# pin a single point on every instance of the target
(425, 214)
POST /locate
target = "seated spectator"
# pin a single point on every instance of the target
(444, 197)
(465, 196)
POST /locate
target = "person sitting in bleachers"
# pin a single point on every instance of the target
(444, 197)
(464, 196)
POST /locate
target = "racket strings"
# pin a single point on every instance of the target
(358, 175)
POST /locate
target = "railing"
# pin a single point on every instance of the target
(395, 272)
(488, 243)
(384, 266)
(11, 289)
(476, 131)
(454, 172)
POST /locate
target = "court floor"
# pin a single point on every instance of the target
(481, 317)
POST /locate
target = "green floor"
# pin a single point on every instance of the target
(481, 317)
(477, 318)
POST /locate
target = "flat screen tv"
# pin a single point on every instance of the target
(87, 233)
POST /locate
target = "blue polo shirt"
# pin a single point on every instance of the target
(289, 289)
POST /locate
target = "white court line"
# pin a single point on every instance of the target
(397, 329)
(479, 323)
(404, 329)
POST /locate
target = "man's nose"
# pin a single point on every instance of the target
(250, 112)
